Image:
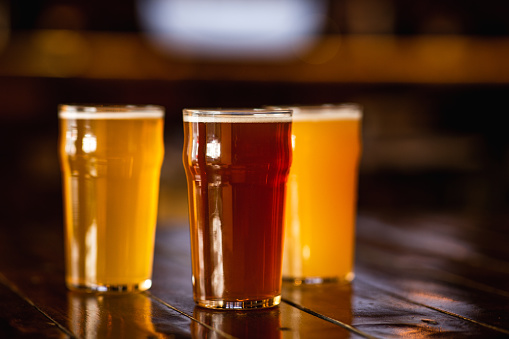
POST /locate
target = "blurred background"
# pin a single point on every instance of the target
(432, 76)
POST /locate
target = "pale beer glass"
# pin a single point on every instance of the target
(111, 157)
(237, 164)
(322, 194)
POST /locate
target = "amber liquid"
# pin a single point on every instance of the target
(110, 174)
(322, 197)
(236, 174)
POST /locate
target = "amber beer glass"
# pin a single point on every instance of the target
(111, 158)
(322, 194)
(237, 164)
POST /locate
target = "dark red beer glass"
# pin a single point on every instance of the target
(237, 164)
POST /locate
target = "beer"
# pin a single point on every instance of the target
(111, 159)
(322, 191)
(237, 167)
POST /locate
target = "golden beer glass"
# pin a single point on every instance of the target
(111, 157)
(322, 194)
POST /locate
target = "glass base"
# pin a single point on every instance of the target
(239, 304)
(114, 288)
(319, 280)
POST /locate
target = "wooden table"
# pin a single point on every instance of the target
(419, 275)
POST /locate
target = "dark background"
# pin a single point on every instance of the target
(431, 76)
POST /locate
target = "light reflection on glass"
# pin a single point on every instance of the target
(217, 249)
(70, 140)
(200, 252)
(213, 149)
(89, 143)
(91, 251)
(195, 144)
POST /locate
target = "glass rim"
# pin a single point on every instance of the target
(110, 111)
(346, 111)
(236, 115)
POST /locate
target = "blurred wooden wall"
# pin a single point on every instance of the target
(433, 84)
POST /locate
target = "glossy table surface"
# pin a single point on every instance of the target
(417, 275)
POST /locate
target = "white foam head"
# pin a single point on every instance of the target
(92, 112)
(328, 112)
(244, 115)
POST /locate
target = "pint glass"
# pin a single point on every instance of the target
(111, 158)
(237, 164)
(322, 194)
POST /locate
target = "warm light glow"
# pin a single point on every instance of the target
(70, 141)
(217, 248)
(4, 25)
(232, 28)
(91, 252)
(61, 52)
(89, 143)
(213, 149)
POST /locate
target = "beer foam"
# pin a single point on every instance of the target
(237, 116)
(237, 119)
(92, 112)
(325, 112)
(110, 115)
(327, 116)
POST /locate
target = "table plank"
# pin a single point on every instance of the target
(374, 312)
(172, 285)
(20, 319)
(167, 310)
(419, 276)
(427, 264)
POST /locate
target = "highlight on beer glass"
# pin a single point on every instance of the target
(322, 194)
(111, 157)
(237, 163)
